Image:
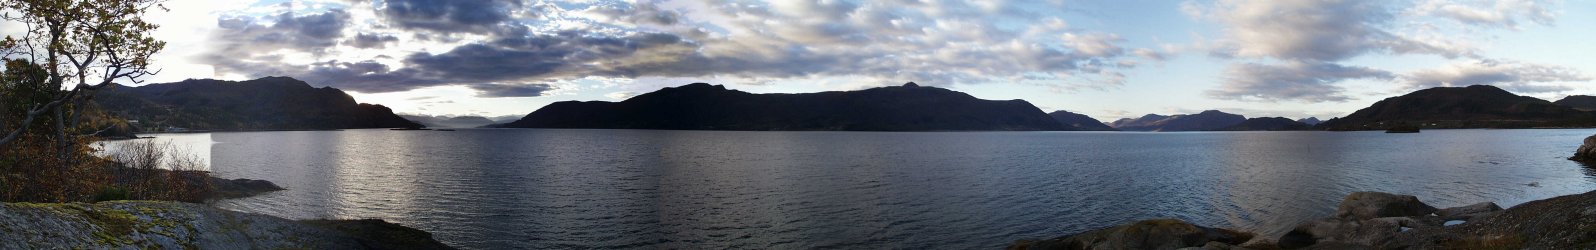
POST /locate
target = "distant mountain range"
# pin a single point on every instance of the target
(701, 106)
(1478, 106)
(1578, 102)
(1310, 121)
(450, 121)
(1079, 121)
(1268, 124)
(272, 103)
(281, 103)
(1204, 121)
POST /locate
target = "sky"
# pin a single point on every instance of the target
(1109, 59)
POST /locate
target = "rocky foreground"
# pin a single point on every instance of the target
(178, 225)
(1372, 220)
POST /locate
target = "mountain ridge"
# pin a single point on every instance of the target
(1207, 120)
(270, 103)
(1079, 122)
(701, 106)
(1476, 106)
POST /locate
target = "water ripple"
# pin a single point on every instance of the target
(625, 189)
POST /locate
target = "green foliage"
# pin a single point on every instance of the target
(111, 193)
(73, 47)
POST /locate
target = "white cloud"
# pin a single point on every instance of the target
(1517, 76)
(621, 95)
(1150, 54)
(1314, 30)
(1095, 44)
(1292, 80)
(1497, 13)
(1310, 40)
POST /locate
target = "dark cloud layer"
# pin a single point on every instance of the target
(512, 90)
(308, 33)
(447, 15)
(514, 48)
(371, 41)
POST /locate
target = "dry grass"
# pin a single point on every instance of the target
(151, 170)
(34, 171)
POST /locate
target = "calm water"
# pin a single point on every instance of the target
(490, 188)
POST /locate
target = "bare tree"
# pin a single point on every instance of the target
(83, 46)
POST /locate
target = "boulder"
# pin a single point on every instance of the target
(1369, 205)
(1346, 232)
(1468, 212)
(1147, 234)
(1261, 243)
(1587, 152)
(240, 188)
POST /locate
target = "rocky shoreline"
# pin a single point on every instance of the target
(182, 225)
(179, 225)
(1372, 220)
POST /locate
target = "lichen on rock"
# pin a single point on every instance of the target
(175, 225)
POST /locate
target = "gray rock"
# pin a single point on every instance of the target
(164, 225)
(1259, 243)
(1338, 231)
(1215, 245)
(1369, 205)
(1586, 152)
(1468, 212)
(1555, 223)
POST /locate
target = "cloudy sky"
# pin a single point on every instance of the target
(1105, 58)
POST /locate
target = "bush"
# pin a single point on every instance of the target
(111, 194)
(152, 170)
(136, 170)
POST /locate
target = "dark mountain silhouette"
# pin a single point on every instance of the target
(449, 122)
(1310, 121)
(1578, 102)
(1079, 121)
(701, 106)
(1145, 120)
(272, 103)
(1478, 106)
(1268, 124)
(1204, 121)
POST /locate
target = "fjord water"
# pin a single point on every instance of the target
(531, 188)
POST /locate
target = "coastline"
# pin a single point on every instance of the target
(146, 224)
(1369, 220)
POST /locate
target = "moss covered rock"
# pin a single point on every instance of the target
(176, 225)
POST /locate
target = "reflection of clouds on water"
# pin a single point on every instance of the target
(197, 145)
